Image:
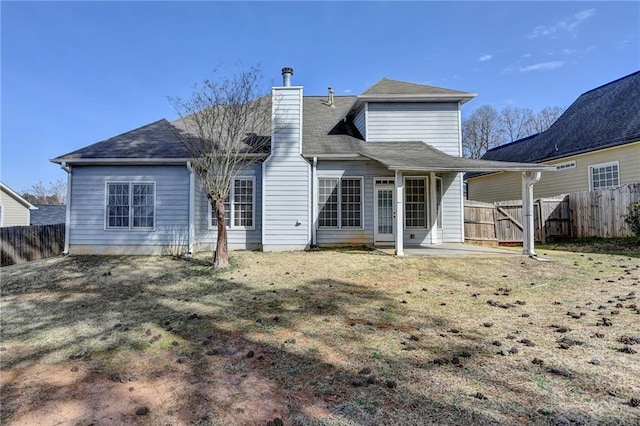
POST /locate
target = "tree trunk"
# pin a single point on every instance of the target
(221, 254)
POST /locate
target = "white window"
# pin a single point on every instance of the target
(415, 202)
(130, 205)
(242, 209)
(340, 202)
(604, 176)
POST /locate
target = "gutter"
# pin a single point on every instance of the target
(67, 223)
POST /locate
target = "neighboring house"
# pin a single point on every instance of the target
(380, 168)
(14, 210)
(594, 144)
(49, 214)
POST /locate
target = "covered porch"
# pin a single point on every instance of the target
(418, 159)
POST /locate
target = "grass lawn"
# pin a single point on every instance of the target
(336, 337)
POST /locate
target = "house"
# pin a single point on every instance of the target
(14, 209)
(49, 214)
(380, 168)
(594, 144)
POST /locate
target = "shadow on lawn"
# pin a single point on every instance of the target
(212, 348)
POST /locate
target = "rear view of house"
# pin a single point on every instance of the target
(380, 168)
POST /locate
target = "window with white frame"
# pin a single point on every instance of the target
(130, 205)
(604, 176)
(242, 209)
(415, 202)
(340, 202)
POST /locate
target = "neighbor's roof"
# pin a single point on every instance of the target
(601, 118)
(49, 214)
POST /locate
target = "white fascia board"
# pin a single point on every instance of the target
(17, 197)
(349, 156)
(474, 169)
(130, 161)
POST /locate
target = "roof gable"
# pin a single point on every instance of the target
(13, 194)
(604, 117)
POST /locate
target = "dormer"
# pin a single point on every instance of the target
(393, 110)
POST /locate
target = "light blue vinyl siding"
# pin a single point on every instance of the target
(286, 177)
(359, 120)
(368, 170)
(87, 231)
(452, 208)
(434, 123)
(236, 238)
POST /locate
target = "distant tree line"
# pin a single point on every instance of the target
(488, 128)
(39, 193)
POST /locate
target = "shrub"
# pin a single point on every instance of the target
(633, 218)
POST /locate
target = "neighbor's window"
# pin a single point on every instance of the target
(415, 202)
(340, 202)
(604, 176)
(130, 205)
(242, 209)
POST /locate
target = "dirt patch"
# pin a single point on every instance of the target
(330, 337)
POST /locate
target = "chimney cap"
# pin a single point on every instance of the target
(287, 70)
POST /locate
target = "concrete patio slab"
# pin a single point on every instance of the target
(456, 250)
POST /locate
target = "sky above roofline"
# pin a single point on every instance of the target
(74, 73)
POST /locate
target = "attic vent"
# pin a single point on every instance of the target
(330, 99)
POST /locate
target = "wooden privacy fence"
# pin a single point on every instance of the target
(579, 214)
(601, 213)
(25, 243)
(501, 222)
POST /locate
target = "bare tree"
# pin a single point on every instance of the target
(516, 123)
(545, 118)
(480, 132)
(225, 126)
(55, 193)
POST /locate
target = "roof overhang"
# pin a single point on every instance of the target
(132, 161)
(421, 157)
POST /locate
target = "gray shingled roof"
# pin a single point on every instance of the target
(600, 118)
(393, 87)
(158, 140)
(419, 156)
(48, 214)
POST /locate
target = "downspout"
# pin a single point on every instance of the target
(67, 221)
(528, 180)
(192, 202)
(314, 203)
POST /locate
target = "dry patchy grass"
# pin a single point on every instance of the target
(340, 337)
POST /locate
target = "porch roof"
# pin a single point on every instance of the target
(419, 156)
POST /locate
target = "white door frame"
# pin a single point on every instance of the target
(387, 185)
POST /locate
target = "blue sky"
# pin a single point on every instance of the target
(74, 73)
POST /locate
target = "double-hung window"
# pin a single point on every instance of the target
(130, 205)
(340, 202)
(604, 176)
(415, 204)
(239, 205)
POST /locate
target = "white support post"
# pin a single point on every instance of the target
(433, 208)
(528, 226)
(399, 214)
(192, 207)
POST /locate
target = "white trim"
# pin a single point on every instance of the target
(601, 165)
(432, 226)
(17, 197)
(192, 207)
(128, 161)
(399, 214)
(388, 184)
(314, 202)
(130, 227)
(339, 178)
(231, 223)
